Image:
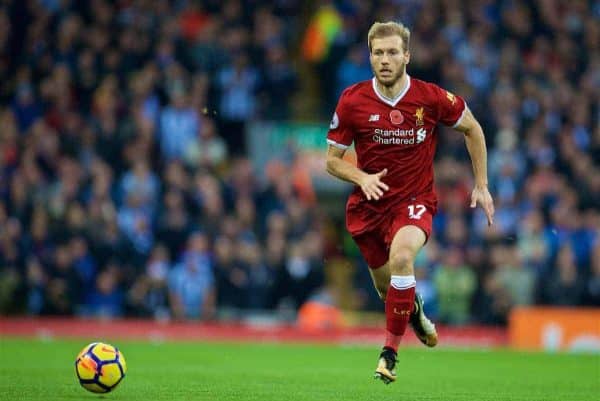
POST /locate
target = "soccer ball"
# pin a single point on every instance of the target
(100, 367)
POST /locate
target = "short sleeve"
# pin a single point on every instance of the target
(451, 107)
(340, 132)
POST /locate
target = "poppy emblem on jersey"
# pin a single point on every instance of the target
(396, 117)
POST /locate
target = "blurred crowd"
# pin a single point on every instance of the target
(126, 188)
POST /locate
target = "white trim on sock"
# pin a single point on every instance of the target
(403, 282)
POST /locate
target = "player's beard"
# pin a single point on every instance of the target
(391, 80)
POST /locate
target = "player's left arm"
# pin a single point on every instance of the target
(475, 141)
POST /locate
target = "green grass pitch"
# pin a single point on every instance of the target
(44, 370)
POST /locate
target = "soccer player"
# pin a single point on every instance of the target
(392, 120)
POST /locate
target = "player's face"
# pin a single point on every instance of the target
(388, 59)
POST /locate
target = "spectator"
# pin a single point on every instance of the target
(532, 244)
(83, 263)
(238, 85)
(106, 299)
(278, 84)
(300, 278)
(135, 222)
(191, 282)
(592, 295)
(455, 285)
(493, 303)
(260, 278)
(25, 107)
(565, 286)
(142, 183)
(179, 125)
(208, 149)
(35, 287)
(64, 290)
(427, 290)
(232, 279)
(174, 223)
(148, 295)
(354, 68)
(516, 279)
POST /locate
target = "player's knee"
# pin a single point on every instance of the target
(401, 261)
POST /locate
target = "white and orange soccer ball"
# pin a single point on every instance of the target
(100, 367)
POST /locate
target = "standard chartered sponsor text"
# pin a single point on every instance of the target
(398, 136)
(394, 132)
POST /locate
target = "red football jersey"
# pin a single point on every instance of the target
(398, 134)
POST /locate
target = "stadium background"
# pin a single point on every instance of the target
(163, 159)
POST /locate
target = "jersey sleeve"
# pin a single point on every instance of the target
(451, 108)
(340, 132)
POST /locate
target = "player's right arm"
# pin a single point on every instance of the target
(339, 137)
(370, 184)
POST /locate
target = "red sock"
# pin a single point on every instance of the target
(398, 307)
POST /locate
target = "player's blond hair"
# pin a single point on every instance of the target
(391, 28)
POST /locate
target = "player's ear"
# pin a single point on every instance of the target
(407, 56)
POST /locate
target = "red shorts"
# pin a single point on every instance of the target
(374, 232)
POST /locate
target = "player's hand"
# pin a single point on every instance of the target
(481, 196)
(372, 186)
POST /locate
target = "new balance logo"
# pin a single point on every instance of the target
(374, 117)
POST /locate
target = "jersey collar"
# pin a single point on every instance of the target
(387, 100)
